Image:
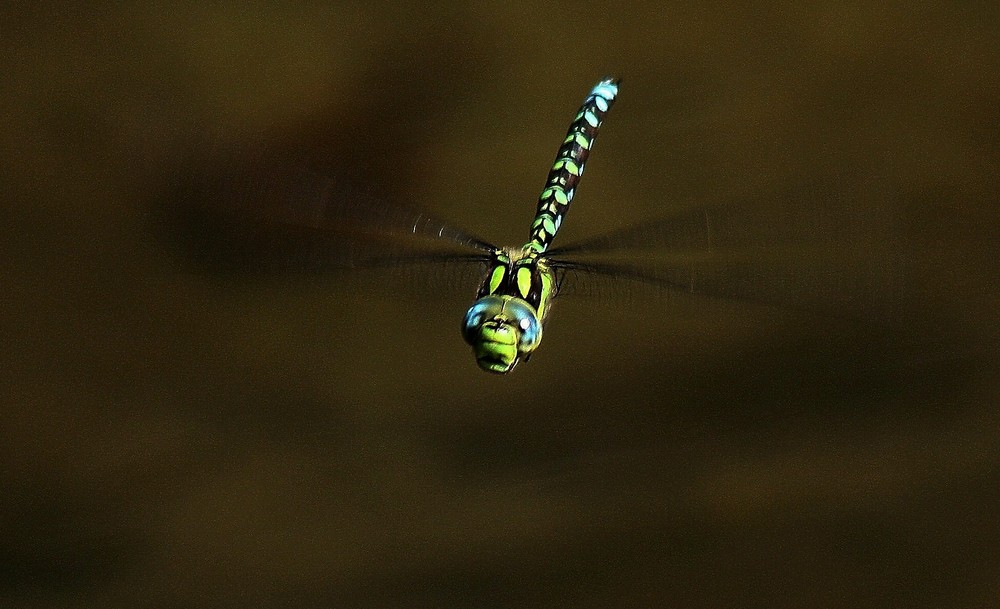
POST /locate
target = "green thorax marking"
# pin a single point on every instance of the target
(522, 274)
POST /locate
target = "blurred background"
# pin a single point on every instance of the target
(177, 435)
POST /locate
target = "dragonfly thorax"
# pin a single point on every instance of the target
(520, 273)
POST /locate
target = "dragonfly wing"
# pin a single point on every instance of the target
(260, 214)
(793, 279)
(810, 250)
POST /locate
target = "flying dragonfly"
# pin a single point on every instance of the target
(305, 219)
(504, 326)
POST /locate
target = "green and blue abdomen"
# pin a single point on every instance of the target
(560, 186)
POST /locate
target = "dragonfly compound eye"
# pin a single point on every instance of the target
(528, 326)
(483, 310)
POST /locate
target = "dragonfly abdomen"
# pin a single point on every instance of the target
(560, 186)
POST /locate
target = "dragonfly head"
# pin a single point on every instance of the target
(501, 330)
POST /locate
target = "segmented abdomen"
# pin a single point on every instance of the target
(568, 167)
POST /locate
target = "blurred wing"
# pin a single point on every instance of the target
(808, 250)
(795, 279)
(260, 215)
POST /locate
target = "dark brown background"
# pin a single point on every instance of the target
(177, 437)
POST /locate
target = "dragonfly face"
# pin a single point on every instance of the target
(502, 329)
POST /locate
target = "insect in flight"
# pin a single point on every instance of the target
(504, 325)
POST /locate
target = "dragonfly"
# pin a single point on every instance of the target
(309, 221)
(504, 325)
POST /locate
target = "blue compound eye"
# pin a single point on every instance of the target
(498, 312)
(523, 316)
(481, 311)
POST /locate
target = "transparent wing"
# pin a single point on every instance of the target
(259, 214)
(814, 249)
